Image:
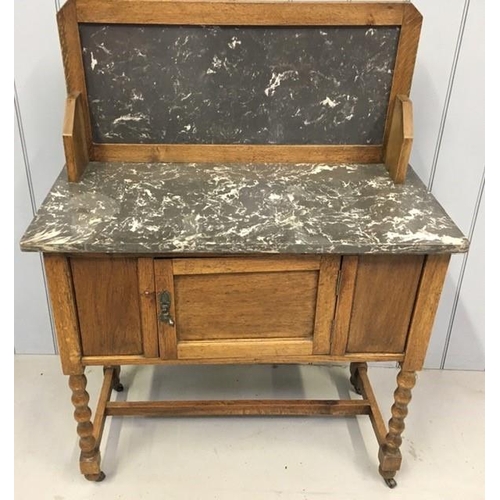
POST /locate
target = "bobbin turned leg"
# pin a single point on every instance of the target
(389, 454)
(90, 457)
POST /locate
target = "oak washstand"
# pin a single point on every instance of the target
(237, 190)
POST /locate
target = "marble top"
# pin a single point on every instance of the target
(156, 84)
(174, 208)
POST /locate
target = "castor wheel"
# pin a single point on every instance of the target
(391, 482)
(355, 386)
(118, 387)
(355, 379)
(355, 383)
(97, 478)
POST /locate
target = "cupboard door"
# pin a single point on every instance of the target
(234, 307)
(249, 306)
(108, 303)
(384, 294)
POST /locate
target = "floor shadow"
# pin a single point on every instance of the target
(109, 448)
(231, 382)
(345, 391)
(225, 382)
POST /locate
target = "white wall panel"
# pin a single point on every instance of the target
(448, 154)
(435, 58)
(437, 344)
(461, 157)
(39, 77)
(32, 328)
(41, 92)
(467, 341)
(460, 164)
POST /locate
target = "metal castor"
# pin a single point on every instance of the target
(97, 478)
(355, 385)
(354, 379)
(118, 387)
(391, 482)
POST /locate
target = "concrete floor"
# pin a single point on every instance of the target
(249, 458)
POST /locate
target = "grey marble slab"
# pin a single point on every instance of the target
(225, 85)
(241, 209)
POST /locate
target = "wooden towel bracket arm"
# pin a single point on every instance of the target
(400, 139)
(76, 143)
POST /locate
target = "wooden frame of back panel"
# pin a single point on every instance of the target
(250, 13)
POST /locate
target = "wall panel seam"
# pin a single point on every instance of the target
(449, 91)
(24, 149)
(29, 180)
(470, 236)
(49, 308)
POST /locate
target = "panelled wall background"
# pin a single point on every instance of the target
(448, 154)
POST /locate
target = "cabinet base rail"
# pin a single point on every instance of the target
(389, 440)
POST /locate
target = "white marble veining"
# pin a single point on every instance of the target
(238, 84)
(191, 208)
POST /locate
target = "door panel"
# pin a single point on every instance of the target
(384, 296)
(107, 300)
(245, 265)
(246, 306)
(235, 307)
(224, 349)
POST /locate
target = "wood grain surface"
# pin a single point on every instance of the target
(71, 50)
(239, 407)
(244, 349)
(147, 291)
(62, 301)
(385, 292)
(397, 154)
(429, 293)
(246, 305)
(325, 304)
(167, 333)
(241, 13)
(75, 141)
(107, 299)
(207, 153)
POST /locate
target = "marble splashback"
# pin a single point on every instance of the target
(238, 85)
(185, 208)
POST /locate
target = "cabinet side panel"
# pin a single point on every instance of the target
(429, 293)
(107, 298)
(386, 287)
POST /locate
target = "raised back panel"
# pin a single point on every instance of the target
(238, 85)
(209, 80)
